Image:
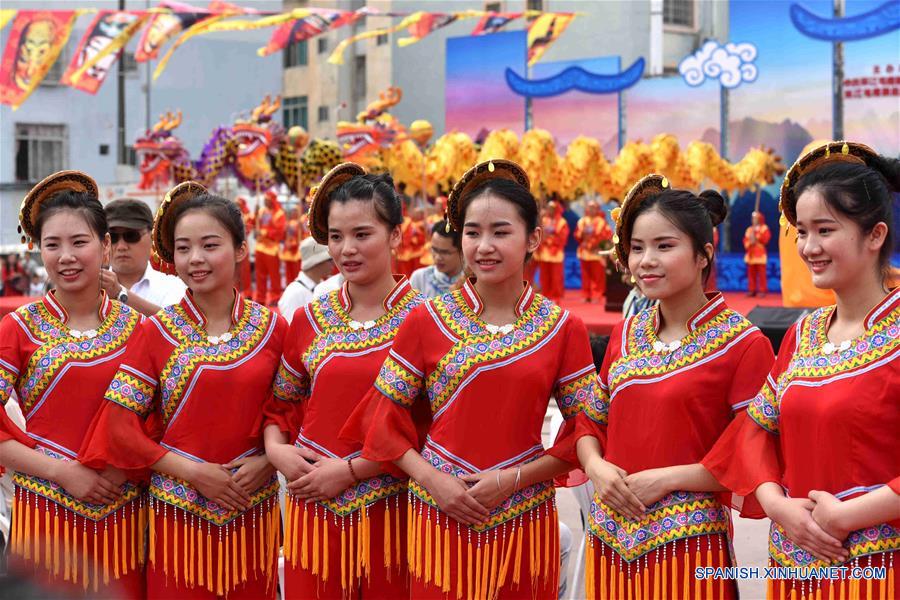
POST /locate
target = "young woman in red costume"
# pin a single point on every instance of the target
(186, 403)
(474, 370)
(73, 528)
(344, 536)
(818, 446)
(673, 377)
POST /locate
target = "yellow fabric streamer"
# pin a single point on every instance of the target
(337, 55)
(6, 15)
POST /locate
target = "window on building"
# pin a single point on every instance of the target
(296, 54)
(322, 44)
(41, 149)
(381, 40)
(679, 13)
(129, 64)
(359, 78)
(323, 114)
(535, 5)
(493, 7)
(131, 156)
(295, 111)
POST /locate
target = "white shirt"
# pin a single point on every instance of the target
(296, 295)
(431, 282)
(158, 288)
(329, 285)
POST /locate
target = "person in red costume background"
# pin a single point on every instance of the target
(245, 275)
(290, 251)
(755, 239)
(270, 226)
(551, 253)
(592, 230)
(412, 242)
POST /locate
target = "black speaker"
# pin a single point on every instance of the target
(774, 321)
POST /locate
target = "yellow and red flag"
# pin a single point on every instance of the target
(424, 23)
(308, 27)
(163, 26)
(545, 30)
(100, 47)
(493, 22)
(35, 41)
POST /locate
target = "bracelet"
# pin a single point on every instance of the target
(518, 478)
(352, 472)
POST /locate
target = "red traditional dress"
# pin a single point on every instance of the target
(412, 246)
(755, 256)
(487, 394)
(290, 250)
(249, 219)
(591, 232)
(59, 377)
(178, 390)
(661, 406)
(826, 419)
(270, 225)
(329, 363)
(550, 256)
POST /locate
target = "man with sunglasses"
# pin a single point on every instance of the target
(131, 279)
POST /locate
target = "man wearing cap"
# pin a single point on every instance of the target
(317, 265)
(132, 280)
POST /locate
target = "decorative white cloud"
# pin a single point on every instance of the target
(732, 64)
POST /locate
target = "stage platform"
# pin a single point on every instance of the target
(600, 322)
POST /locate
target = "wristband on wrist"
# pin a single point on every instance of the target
(352, 472)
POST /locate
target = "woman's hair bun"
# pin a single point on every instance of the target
(715, 204)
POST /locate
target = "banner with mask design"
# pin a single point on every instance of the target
(35, 41)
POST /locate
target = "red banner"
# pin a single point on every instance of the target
(35, 41)
(164, 26)
(108, 32)
(307, 28)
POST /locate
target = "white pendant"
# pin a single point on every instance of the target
(829, 348)
(216, 339)
(355, 325)
(495, 329)
(659, 346)
(90, 333)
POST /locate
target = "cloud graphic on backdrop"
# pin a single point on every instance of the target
(732, 64)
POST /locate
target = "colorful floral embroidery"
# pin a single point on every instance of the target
(179, 493)
(575, 391)
(519, 503)
(862, 542)
(640, 359)
(396, 381)
(764, 408)
(363, 494)
(59, 349)
(132, 391)
(289, 385)
(194, 350)
(55, 493)
(811, 362)
(478, 346)
(336, 335)
(676, 516)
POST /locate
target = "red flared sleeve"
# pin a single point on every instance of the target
(291, 387)
(10, 366)
(894, 484)
(125, 431)
(394, 415)
(747, 454)
(576, 384)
